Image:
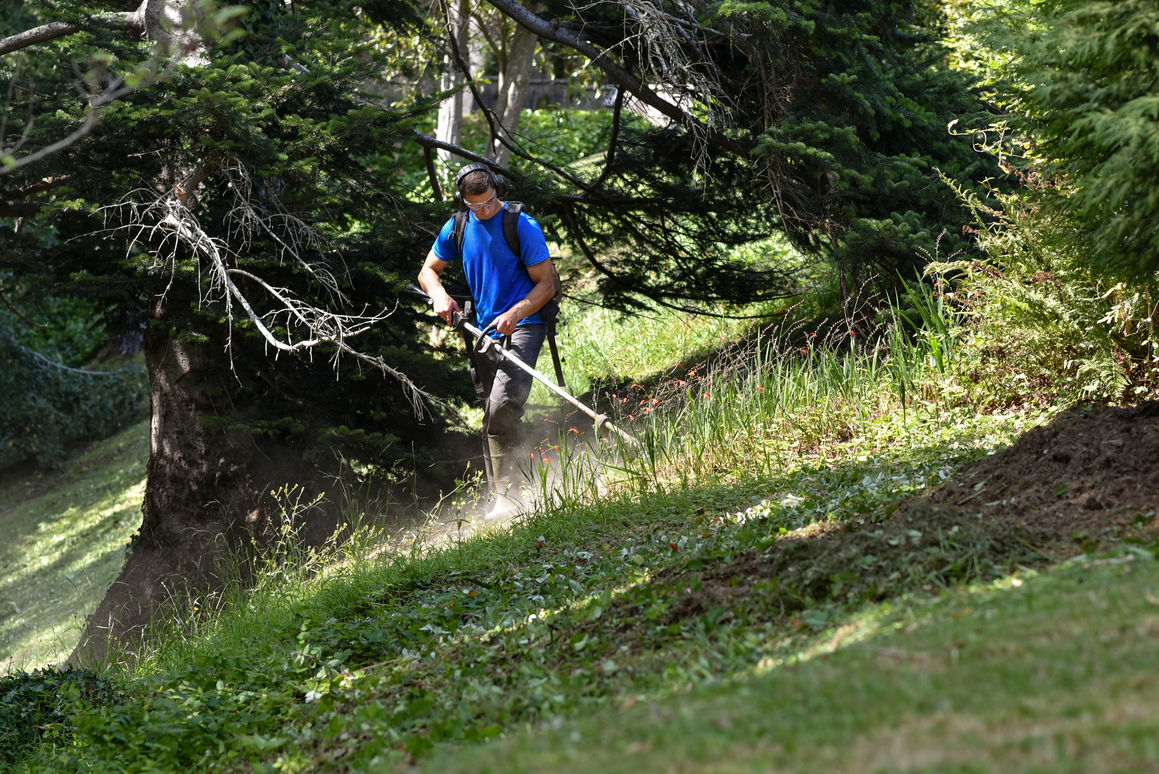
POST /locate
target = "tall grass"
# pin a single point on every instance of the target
(760, 406)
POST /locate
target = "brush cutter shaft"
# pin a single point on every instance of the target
(483, 341)
(488, 343)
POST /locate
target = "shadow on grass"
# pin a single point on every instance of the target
(1066, 488)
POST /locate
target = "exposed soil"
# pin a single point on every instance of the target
(1094, 470)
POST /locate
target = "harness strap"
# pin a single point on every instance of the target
(555, 354)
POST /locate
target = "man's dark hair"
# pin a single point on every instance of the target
(479, 181)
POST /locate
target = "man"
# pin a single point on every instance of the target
(508, 291)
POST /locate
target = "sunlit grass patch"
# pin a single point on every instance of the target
(64, 547)
(1007, 676)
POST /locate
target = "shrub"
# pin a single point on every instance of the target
(48, 404)
(1042, 325)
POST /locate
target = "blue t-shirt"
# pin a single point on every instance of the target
(497, 277)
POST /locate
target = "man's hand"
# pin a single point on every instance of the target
(445, 307)
(506, 322)
(543, 277)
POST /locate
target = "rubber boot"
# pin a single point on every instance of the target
(504, 490)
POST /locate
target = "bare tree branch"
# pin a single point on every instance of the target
(132, 20)
(427, 141)
(164, 226)
(16, 311)
(603, 59)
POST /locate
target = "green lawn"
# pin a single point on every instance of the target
(64, 539)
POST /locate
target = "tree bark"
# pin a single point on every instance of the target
(207, 511)
(514, 77)
(450, 122)
(190, 495)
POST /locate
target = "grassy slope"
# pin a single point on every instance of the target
(1052, 672)
(565, 644)
(64, 540)
(588, 640)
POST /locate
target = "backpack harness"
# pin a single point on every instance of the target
(549, 311)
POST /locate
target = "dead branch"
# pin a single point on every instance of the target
(295, 238)
(605, 60)
(165, 226)
(16, 311)
(132, 21)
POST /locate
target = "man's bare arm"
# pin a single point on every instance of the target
(430, 278)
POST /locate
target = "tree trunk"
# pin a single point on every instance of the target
(451, 112)
(206, 493)
(514, 78)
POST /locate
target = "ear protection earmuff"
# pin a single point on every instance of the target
(498, 183)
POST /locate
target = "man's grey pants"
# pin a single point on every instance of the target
(506, 387)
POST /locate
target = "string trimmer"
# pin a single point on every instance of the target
(484, 341)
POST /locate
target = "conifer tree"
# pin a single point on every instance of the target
(241, 205)
(822, 120)
(1083, 86)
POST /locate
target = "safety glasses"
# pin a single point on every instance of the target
(480, 205)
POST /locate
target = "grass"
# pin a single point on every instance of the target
(664, 340)
(606, 639)
(65, 535)
(738, 599)
(1045, 672)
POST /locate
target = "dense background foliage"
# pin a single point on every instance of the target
(53, 395)
(281, 155)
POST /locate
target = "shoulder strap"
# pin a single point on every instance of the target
(459, 228)
(555, 359)
(511, 227)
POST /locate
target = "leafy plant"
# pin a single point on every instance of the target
(1085, 96)
(1040, 324)
(35, 708)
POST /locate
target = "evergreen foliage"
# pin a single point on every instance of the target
(655, 229)
(859, 135)
(1084, 91)
(833, 118)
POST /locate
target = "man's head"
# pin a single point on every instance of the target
(478, 189)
